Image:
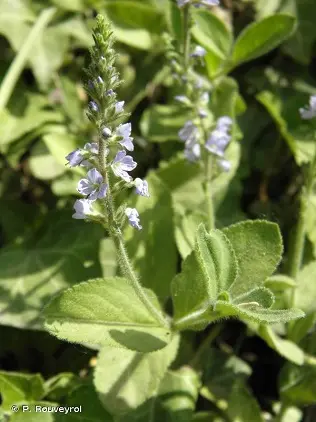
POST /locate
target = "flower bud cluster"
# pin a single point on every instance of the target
(109, 155)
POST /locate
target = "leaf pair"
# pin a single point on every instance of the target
(223, 276)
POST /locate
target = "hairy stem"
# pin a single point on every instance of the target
(116, 234)
(298, 244)
(208, 192)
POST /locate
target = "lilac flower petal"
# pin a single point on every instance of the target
(74, 158)
(82, 209)
(194, 153)
(102, 190)
(198, 51)
(95, 176)
(92, 147)
(309, 112)
(133, 218)
(128, 144)
(124, 130)
(141, 187)
(119, 106)
(84, 187)
(128, 163)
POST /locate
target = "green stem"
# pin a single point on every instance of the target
(208, 192)
(187, 36)
(22, 56)
(116, 234)
(297, 247)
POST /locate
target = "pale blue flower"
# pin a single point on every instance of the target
(181, 3)
(188, 133)
(110, 92)
(75, 158)
(106, 132)
(133, 218)
(198, 52)
(119, 106)
(194, 153)
(141, 187)
(124, 131)
(93, 106)
(217, 142)
(82, 208)
(93, 187)
(224, 164)
(100, 80)
(224, 123)
(308, 113)
(121, 164)
(92, 147)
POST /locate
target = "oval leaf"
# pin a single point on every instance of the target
(258, 248)
(261, 37)
(134, 377)
(105, 312)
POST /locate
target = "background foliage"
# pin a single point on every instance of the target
(249, 368)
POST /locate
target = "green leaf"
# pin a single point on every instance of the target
(33, 415)
(264, 241)
(174, 401)
(285, 348)
(261, 37)
(16, 387)
(43, 165)
(257, 313)
(57, 387)
(298, 383)
(113, 316)
(283, 108)
(305, 292)
(260, 295)
(134, 377)
(300, 45)
(185, 231)
(136, 27)
(220, 372)
(211, 32)
(155, 240)
(280, 282)
(213, 416)
(242, 406)
(92, 409)
(161, 123)
(25, 113)
(206, 272)
(59, 253)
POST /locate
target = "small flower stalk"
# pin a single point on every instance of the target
(107, 161)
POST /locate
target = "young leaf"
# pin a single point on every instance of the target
(285, 348)
(261, 295)
(258, 248)
(256, 313)
(242, 405)
(105, 312)
(280, 282)
(261, 37)
(207, 271)
(134, 376)
(16, 387)
(212, 33)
